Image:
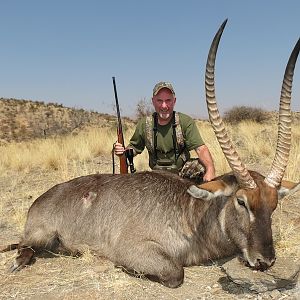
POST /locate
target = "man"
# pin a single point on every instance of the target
(169, 136)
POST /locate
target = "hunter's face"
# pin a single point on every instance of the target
(164, 103)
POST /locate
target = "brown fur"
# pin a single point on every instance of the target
(147, 222)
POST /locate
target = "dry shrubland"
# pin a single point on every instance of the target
(239, 114)
(57, 153)
(23, 120)
(255, 143)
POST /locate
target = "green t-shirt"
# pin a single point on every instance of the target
(165, 149)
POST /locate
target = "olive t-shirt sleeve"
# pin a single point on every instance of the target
(191, 133)
(137, 141)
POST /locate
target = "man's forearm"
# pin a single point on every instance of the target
(206, 160)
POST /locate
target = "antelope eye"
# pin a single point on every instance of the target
(241, 202)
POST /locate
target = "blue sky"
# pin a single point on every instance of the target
(68, 51)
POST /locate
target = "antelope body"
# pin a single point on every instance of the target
(156, 223)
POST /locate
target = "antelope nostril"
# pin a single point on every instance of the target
(272, 261)
(261, 265)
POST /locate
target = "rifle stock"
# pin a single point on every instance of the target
(123, 160)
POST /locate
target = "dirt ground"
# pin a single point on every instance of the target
(89, 277)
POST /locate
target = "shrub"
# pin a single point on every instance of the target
(143, 108)
(238, 114)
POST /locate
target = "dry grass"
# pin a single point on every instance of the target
(287, 234)
(55, 153)
(254, 142)
(18, 216)
(210, 140)
(256, 145)
(62, 152)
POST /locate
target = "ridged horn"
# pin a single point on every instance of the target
(284, 124)
(240, 171)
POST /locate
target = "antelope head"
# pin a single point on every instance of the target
(246, 219)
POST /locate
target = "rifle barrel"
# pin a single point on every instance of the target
(120, 131)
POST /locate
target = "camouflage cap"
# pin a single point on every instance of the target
(161, 85)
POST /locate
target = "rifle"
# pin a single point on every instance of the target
(128, 155)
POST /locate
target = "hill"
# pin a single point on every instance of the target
(25, 119)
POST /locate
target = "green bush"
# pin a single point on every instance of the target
(238, 114)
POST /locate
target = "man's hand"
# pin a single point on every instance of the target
(119, 149)
(209, 174)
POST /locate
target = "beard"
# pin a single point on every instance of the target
(164, 115)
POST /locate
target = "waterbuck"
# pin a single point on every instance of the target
(157, 223)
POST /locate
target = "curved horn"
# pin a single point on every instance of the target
(284, 125)
(231, 155)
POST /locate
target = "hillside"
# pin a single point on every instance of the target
(25, 119)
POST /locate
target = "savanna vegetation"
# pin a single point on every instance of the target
(239, 114)
(255, 143)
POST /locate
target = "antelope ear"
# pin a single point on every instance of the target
(287, 188)
(199, 193)
(210, 190)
